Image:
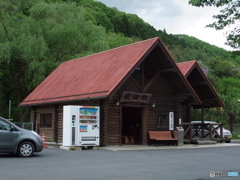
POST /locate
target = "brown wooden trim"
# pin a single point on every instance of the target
(167, 71)
(35, 120)
(134, 105)
(135, 97)
(55, 132)
(136, 84)
(199, 83)
(150, 82)
(144, 126)
(120, 125)
(104, 123)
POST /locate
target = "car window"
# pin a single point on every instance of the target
(196, 126)
(4, 126)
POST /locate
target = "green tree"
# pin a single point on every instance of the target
(116, 40)
(229, 16)
(35, 38)
(223, 68)
(225, 77)
(228, 88)
(99, 13)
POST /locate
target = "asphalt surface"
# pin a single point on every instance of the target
(182, 163)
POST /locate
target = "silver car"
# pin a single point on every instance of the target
(16, 140)
(227, 135)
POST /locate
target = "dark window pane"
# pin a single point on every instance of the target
(46, 120)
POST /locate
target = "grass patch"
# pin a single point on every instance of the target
(235, 136)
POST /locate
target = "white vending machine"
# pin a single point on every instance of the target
(81, 126)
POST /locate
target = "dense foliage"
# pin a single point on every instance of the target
(228, 17)
(37, 35)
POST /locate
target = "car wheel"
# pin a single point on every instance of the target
(25, 149)
(228, 141)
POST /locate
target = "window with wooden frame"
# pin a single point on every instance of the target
(46, 120)
(162, 120)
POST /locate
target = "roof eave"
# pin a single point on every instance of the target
(45, 102)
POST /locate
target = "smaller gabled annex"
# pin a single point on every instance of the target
(200, 83)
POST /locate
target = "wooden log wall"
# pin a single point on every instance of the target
(163, 105)
(103, 122)
(55, 133)
(59, 129)
(109, 121)
(113, 121)
(49, 132)
(186, 111)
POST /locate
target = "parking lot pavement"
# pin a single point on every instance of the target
(236, 141)
(175, 163)
(185, 146)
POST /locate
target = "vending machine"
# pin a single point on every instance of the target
(88, 132)
(81, 126)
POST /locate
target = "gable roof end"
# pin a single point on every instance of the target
(202, 87)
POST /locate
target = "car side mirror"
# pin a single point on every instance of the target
(12, 128)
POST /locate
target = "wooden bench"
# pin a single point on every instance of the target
(155, 136)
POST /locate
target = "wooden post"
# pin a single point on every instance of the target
(211, 132)
(202, 121)
(221, 132)
(144, 126)
(55, 126)
(121, 121)
(190, 131)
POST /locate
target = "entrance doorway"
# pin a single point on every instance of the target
(132, 125)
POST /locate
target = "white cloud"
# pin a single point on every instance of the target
(176, 16)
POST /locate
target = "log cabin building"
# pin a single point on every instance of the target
(136, 87)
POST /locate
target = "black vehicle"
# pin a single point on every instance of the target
(14, 139)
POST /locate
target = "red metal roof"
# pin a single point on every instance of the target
(91, 76)
(185, 67)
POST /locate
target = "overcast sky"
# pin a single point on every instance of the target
(176, 16)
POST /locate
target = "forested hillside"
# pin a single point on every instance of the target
(37, 35)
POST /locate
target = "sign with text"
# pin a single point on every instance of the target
(171, 121)
(135, 97)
